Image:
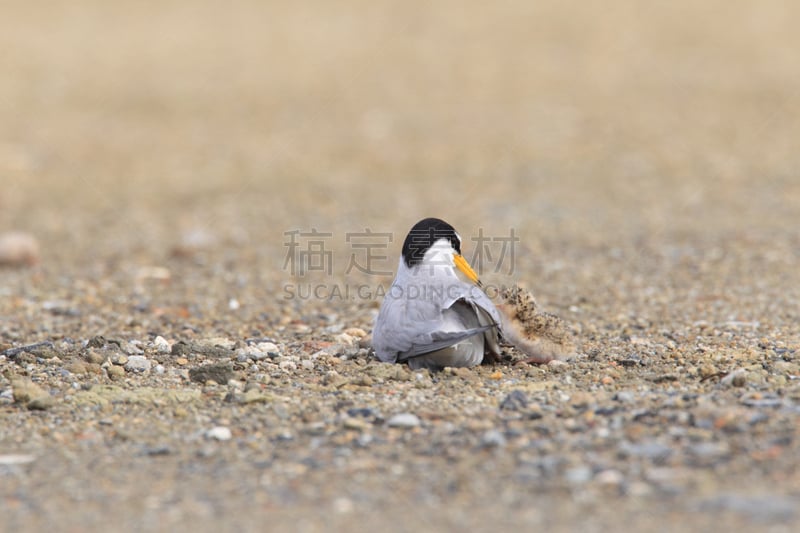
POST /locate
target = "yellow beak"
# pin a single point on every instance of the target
(464, 267)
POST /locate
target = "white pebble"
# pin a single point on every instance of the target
(138, 363)
(161, 345)
(235, 384)
(11, 459)
(344, 338)
(18, 249)
(268, 347)
(404, 420)
(609, 477)
(220, 433)
(287, 366)
(260, 351)
(356, 332)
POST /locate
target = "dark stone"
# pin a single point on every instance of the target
(220, 373)
(515, 400)
(98, 341)
(181, 348)
(363, 412)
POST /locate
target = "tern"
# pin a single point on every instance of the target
(436, 313)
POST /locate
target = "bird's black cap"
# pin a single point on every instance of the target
(423, 235)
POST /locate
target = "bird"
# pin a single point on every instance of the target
(436, 314)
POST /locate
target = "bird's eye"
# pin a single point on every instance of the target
(457, 243)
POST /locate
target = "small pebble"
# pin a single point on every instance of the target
(153, 273)
(287, 366)
(404, 420)
(133, 348)
(708, 370)
(269, 347)
(161, 345)
(12, 459)
(138, 363)
(220, 433)
(115, 372)
(515, 400)
(493, 439)
(356, 332)
(18, 249)
(343, 505)
(158, 450)
(95, 357)
(578, 475)
(355, 423)
(609, 477)
(581, 399)
(219, 373)
(624, 396)
(41, 403)
(363, 412)
(737, 378)
(758, 508)
(31, 395)
(652, 450)
(345, 339)
(260, 351)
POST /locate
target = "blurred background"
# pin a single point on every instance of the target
(133, 132)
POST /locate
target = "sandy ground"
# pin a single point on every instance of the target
(164, 155)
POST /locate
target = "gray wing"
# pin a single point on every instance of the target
(475, 296)
(409, 328)
(400, 325)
